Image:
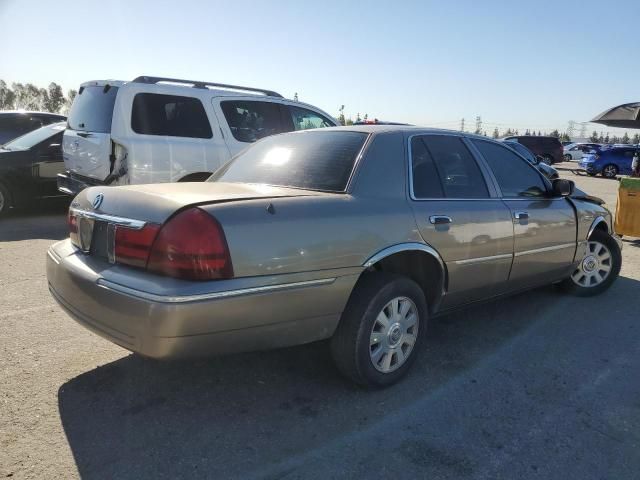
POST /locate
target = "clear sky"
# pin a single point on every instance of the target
(532, 64)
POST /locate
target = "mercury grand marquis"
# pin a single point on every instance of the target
(355, 234)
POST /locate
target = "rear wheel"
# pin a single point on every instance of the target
(381, 330)
(548, 159)
(598, 268)
(567, 158)
(610, 171)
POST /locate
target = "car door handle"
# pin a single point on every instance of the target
(521, 215)
(440, 219)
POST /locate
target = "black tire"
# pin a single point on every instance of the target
(601, 237)
(351, 343)
(5, 200)
(610, 171)
(567, 158)
(591, 174)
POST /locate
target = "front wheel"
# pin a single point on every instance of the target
(381, 330)
(610, 171)
(567, 158)
(598, 268)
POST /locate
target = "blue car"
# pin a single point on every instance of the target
(609, 161)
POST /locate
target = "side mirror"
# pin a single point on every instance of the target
(562, 188)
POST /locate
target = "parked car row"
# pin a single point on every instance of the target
(575, 151)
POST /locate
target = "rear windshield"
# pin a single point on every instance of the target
(313, 160)
(92, 109)
(31, 139)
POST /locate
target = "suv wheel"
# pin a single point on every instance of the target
(381, 330)
(567, 158)
(599, 267)
(548, 159)
(610, 171)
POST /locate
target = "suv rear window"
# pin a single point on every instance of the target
(169, 115)
(92, 109)
(314, 160)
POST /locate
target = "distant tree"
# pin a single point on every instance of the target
(539, 134)
(55, 98)
(555, 133)
(496, 133)
(636, 138)
(527, 132)
(295, 97)
(341, 118)
(607, 139)
(349, 121)
(625, 138)
(358, 119)
(7, 97)
(594, 137)
(366, 116)
(508, 133)
(564, 137)
(601, 138)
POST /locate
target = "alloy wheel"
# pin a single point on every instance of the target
(594, 267)
(610, 171)
(393, 335)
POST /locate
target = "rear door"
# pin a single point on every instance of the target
(544, 227)
(244, 121)
(86, 144)
(460, 215)
(48, 164)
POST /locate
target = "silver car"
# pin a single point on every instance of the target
(357, 234)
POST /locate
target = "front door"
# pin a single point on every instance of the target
(460, 216)
(544, 227)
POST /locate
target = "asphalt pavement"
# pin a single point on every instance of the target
(538, 385)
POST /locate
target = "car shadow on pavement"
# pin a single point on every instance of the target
(233, 416)
(44, 221)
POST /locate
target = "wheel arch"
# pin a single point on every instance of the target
(420, 262)
(598, 224)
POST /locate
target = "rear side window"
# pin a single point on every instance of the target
(442, 166)
(314, 160)
(304, 119)
(515, 176)
(169, 115)
(92, 109)
(250, 121)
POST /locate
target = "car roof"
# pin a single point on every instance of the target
(382, 129)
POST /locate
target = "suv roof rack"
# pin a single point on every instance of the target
(199, 84)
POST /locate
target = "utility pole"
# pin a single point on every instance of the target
(462, 125)
(571, 128)
(583, 130)
(478, 125)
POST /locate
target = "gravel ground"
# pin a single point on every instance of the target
(539, 385)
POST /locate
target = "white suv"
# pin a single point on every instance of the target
(154, 129)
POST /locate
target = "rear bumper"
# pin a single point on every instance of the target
(72, 184)
(167, 326)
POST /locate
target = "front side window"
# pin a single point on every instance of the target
(442, 166)
(314, 160)
(516, 177)
(250, 120)
(304, 119)
(169, 115)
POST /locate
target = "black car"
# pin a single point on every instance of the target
(16, 123)
(547, 170)
(29, 166)
(548, 148)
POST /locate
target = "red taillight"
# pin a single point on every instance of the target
(132, 247)
(191, 245)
